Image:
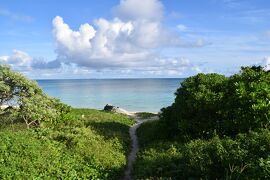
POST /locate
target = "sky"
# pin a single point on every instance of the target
(133, 38)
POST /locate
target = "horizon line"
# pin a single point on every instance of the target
(109, 78)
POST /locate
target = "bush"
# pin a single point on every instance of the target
(228, 158)
(246, 102)
(65, 143)
(88, 144)
(218, 128)
(24, 156)
(209, 103)
(245, 157)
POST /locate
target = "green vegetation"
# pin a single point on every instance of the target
(41, 138)
(89, 144)
(26, 100)
(145, 115)
(208, 103)
(217, 128)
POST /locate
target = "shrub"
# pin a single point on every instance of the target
(208, 103)
(24, 156)
(245, 157)
(195, 110)
(246, 102)
(88, 144)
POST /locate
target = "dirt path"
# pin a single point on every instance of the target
(135, 144)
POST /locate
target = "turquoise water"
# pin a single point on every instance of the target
(131, 94)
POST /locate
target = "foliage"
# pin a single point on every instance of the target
(145, 115)
(217, 128)
(88, 144)
(246, 103)
(24, 98)
(23, 156)
(209, 103)
(245, 157)
(81, 144)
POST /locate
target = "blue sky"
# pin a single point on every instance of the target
(133, 38)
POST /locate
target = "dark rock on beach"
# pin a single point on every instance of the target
(110, 107)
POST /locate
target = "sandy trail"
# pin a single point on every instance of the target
(135, 144)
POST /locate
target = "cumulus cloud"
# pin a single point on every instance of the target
(130, 41)
(104, 47)
(22, 61)
(40, 63)
(139, 10)
(114, 45)
(19, 60)
(266, 63)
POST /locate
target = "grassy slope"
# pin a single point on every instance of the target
(157, 155)
(145, 115)
(90, 144)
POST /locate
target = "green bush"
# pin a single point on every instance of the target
(228, 158)
(209, 103)
(217, 128)
(244, 157)
(246, 101)
(65, 143)
(24, 156)
(88, 144)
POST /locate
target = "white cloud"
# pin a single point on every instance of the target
(181, 27)
(125, 46)
(109, 45)
(139, 10)
(3, 59)
(129, 42)
(130, 39)
(39, 68)
(40, 63)
(19, 60)
(266, 63)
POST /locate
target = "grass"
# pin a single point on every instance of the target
(145, 115)
(157, 156)
(89, 144)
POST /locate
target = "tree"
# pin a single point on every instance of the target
(23, 96)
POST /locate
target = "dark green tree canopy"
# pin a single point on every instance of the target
(208, 103)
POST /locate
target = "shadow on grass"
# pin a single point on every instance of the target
(111, 130)
(160, 168)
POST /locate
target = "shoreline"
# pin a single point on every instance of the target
(130, 112)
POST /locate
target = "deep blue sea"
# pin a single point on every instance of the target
(131, 94)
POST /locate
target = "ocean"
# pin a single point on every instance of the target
(131, 94)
